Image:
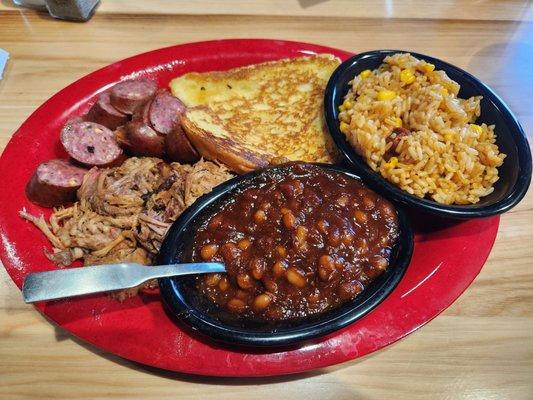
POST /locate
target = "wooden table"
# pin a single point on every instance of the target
(480, 348)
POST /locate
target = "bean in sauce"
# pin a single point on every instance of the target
(296, 243)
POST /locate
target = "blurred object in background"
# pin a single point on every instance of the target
(73, 10)
(37, 4)
(4, 55)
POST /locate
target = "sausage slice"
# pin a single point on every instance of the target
(102, 112)
(138, 139)
(54, 183)
(91, 144)
(142, 113)
(128, 95)
(165, 111)
(179, 148)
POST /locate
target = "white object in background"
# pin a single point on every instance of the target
(4, 55)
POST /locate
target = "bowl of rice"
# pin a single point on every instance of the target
(427, 134)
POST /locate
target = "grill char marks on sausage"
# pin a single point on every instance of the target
(139, 139)
(179, 148)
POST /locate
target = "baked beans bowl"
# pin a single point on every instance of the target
(308, 250)
(514, 173)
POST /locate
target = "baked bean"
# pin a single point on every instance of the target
(260, 216)
(312, 199)
(244, 281)
(300, 236)
(249, 229)
(277, 196)
(208, 251)
(292, 188)
(281, 251)
(294, 205)
(339, 266)
(289, 220)
(342, 200)
(326, 266)
(241, 294)
(229, 252)
(287, 189)
(296, 277)
(362, 245)
(215, 222)
(327, 261)
(348, 290)
(368, 203)
(347, 238)
(257, 267)
(223, 284)
(212, 279)
(262, 301)
(236, 305)
(270, 285)
(279, 268)
(243, 244)
(298, 187)
(384, 241)
(334, 237)
(265, 206)
(314, 297)
(323, 226)
(360, 216)
(387, 210)
(265, 244)
(379, 262)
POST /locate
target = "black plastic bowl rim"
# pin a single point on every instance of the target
(337, 87)
(181, 233)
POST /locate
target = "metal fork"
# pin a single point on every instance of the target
(71, 282)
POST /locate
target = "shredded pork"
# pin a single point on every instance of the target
(123, 213)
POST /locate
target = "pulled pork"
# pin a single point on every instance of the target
(123, 213)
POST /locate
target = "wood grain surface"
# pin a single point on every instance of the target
(480, 348)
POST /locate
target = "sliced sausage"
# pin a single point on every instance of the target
(128, 95)
(55, 183)
(179, 148)
(102, 112)
(165, 111)
(91, 144)
(142, 113)
(138, 139)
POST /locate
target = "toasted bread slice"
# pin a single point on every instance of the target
(245, 116)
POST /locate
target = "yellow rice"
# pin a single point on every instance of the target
(446, 157)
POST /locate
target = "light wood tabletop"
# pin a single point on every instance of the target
(479, 348)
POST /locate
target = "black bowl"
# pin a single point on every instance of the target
(515, 173)
(184, 301)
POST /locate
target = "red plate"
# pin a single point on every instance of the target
(447, 256)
